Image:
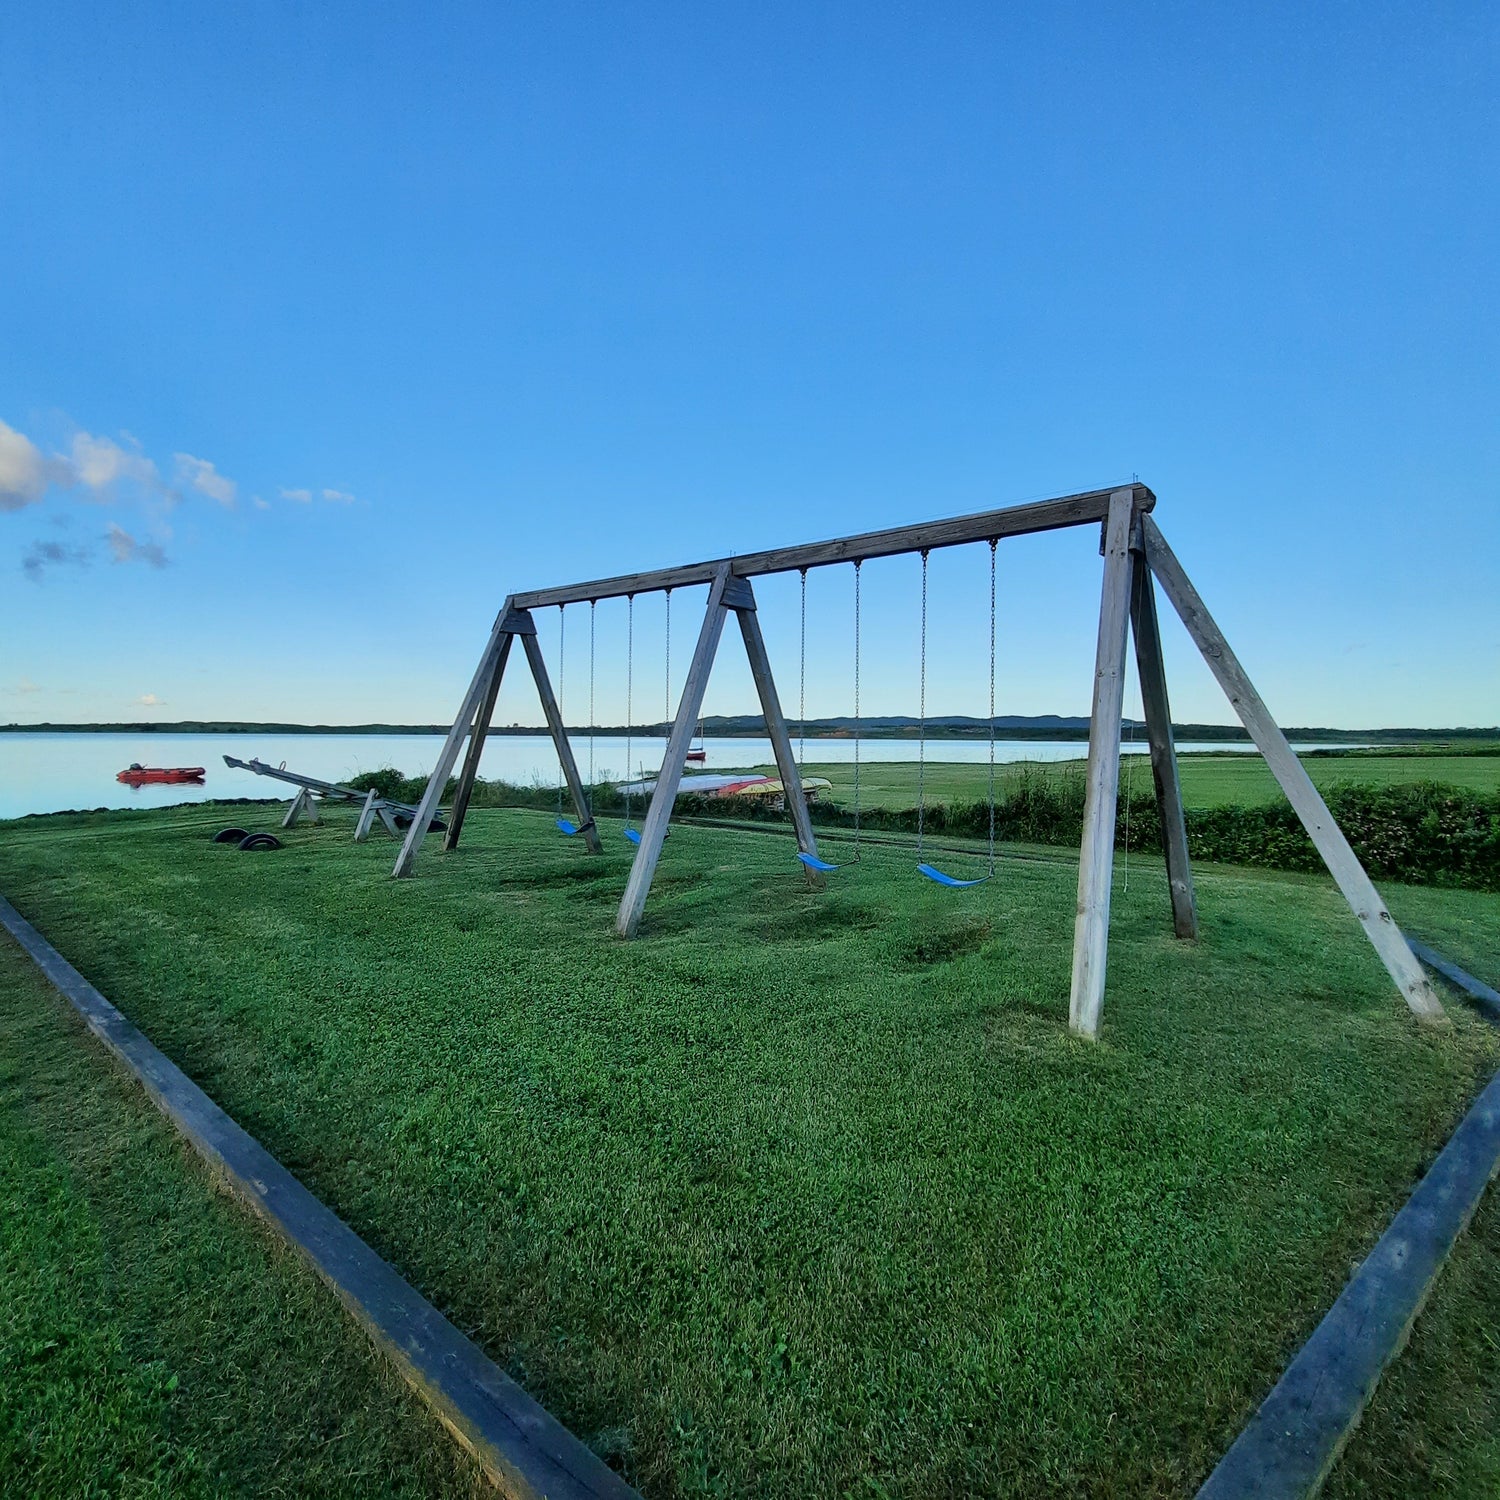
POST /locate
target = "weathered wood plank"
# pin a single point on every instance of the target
(525, 1451)
(1291, 774)
(302, 806)
(1157, 708)
(480, 729)
(781, 741)
(669, 778)
(1293, 1441)
(366, 817)
(462, 722)
(1015, 520)
(1487, 999)
(559, 734)
(1097, 861)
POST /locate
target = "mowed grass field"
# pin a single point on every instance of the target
(806, 1191)
(1215, 780)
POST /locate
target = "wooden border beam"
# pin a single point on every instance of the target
(1306, 800)
(1097, 858)
(1014, 520)
(1157, 709)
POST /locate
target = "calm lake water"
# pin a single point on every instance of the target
(54, 772)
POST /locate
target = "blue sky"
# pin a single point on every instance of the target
(324, 327)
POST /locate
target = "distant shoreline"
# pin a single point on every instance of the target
(1011, 727)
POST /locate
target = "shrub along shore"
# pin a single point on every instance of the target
(1420, 833)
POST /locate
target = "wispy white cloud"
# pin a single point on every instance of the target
(102, 467)
(339, 497)
(23, 470)
(23, 689)
(124, 548)
(262, 504)
(150, 700)
(199, 474)
(302, 497)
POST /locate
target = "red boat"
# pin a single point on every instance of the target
(139, 775)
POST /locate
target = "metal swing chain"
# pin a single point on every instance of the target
(562, 678)
(856, 707)
(629, 693)
(994, 543)
(593, 605)
(802, 684)
(668, 715)
(922, 719)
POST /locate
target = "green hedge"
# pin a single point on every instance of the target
(1424, 833)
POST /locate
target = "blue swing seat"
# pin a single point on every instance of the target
(814, 863)
(948, 880)
(632, 835)
(567, 827)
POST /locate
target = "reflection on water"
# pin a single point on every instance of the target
(53, 772)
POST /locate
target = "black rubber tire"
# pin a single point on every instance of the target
(254, 841)
(231, 835)
(403, 822)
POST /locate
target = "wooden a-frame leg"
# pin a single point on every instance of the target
(1158, 714)
(303, 806)
(366, 817)
(654, 829)
(462, 722)
(477, 733)
(1097, 862)
(741, 599)
(553, 714)
(1327, 836)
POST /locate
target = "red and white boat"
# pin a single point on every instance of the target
(139, 775)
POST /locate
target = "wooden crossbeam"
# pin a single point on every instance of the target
(1015, 520)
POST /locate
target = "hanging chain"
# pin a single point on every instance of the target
(802, 684)
(922, 719)
(994, 543)
(856, 709)
(668, 714)
(593, 605)
(629, 693)
(562, 680)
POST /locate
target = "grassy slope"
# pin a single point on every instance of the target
(801, 1191)
(1207, 780)
(153, 1341)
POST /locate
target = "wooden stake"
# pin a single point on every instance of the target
(462, 722)
(581, 809)
(1158, 715)
(654, 829)
(477, 733)
(770, 705)
(1097, 861)
(1328, 837)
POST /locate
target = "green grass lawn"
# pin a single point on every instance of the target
(153, 1340)
(803, 1192)
(1207, 780)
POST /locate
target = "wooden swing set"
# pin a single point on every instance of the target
(1136, 557)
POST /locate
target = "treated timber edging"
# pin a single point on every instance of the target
(525, 1451)
(1486, 999)
(1293, 1441)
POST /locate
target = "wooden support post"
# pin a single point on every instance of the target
(462, 722)
(741, 599)
(1326, 835)
(366, 817)
(302, 807)
(581, 808)
(387, 817)
(1097, 862)
(1158, 714)
(477, 732)
(654, 829)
